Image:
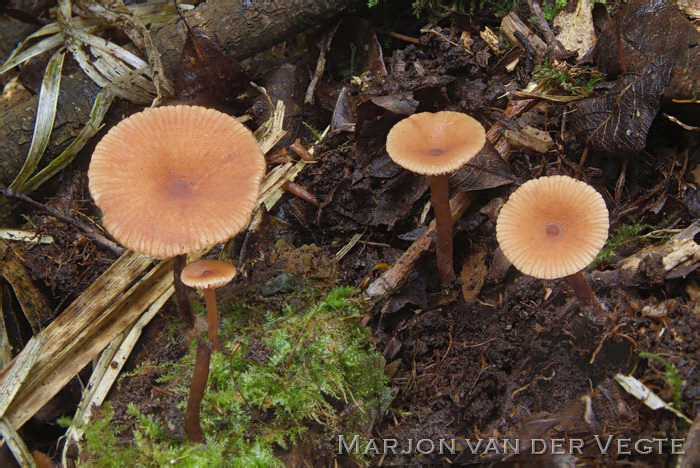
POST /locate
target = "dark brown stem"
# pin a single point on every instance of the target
(181, 294)
(440, 195)
(584, 293)
(200, 375)
(213, 315)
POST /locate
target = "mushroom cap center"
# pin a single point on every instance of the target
(436, 151)
(553, 230)
(206, 273)
(179, 188)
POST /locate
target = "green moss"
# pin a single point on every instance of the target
(623, 234)
(673, 378)
(299, 374)
(567, 80)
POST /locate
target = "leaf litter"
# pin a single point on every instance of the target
(506, 355)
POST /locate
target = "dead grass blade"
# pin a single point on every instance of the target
(146, 13)
(18, 58)
(45, 115)
(109, 305)
(33, 303)
(13, 379)
(17, 446)
(106, 371)
(99, 109)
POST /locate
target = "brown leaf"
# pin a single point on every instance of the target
(474, 271)
(486, 170)
(652, 32)
(618, 120)
(206, 75)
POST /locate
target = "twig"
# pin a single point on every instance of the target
(541, 22)
(320, 65)
(301, 151)
(193, 426)
(547, 32)
(301, 192)
(402, 37)
(89, 233)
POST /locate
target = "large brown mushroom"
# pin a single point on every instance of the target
(437, 144)
(208, 275)
(173, 180)
(553, 227)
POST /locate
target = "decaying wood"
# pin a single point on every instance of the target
(518, 33)
(530, 138)
(240, 30)
(493, 40)
(677, 258)
(558, 51)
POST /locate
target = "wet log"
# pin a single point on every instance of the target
(241, 29)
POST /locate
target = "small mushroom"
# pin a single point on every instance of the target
(173, 180)
(208, 275)
(437, 144)
(553, 227)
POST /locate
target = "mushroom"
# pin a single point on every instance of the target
(208, 275)
(173, 180)
(553, 227)
(437, 144)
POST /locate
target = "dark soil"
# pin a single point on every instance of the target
(498, 354)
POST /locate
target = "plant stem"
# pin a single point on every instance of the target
(183, 302)
(213, 315)
(440, 196)
(582, 288)
(200, 375)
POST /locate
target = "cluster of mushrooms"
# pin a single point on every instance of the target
(551, 227)
(171, 181)
(174, 180)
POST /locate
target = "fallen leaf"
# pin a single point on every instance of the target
(486, 170)
(474, 271)
(618, 120)
(207, 75)
(652, 32)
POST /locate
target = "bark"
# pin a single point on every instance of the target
(240, 29)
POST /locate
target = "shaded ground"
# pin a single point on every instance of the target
(498, 355)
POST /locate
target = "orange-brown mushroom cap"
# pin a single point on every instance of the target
(435, 143)
(205, 274)
(176, 179)
(552, 226)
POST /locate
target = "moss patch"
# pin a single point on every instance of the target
(299, 375)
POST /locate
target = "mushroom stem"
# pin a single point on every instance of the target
(213, 315)
(200, 375)
(183, 302)
(582, 288)
(440, 196)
